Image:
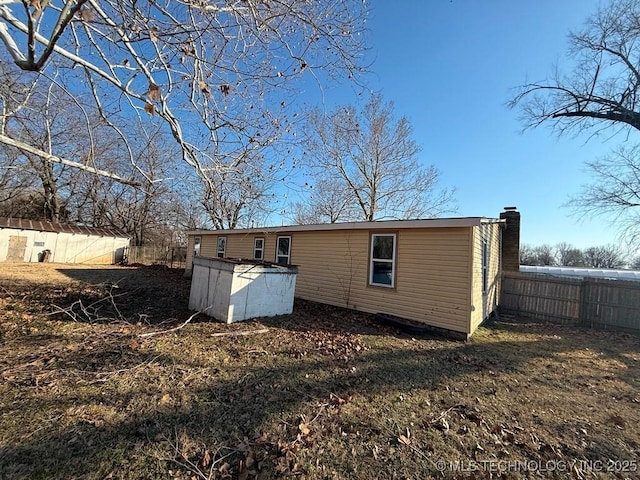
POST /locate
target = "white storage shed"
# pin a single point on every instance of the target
(24, 240)
(233, 290)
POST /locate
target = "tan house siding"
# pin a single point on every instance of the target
(484, 303)
(239, 245)
(433, 270)
(432, 278)
(209, 246)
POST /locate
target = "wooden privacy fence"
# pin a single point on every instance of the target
(591, 302)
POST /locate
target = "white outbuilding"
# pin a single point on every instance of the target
(583, 272)
(24, 240)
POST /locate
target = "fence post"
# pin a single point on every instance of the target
(584, 302)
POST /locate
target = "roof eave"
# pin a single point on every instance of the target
(377, 225)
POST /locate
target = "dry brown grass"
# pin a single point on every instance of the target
(325, 393)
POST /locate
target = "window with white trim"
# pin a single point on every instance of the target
(283, 250)
(258, 248)
(196, 246)
(222, 246)
(485, 265)
(382, 264)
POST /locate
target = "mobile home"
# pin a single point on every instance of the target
(444, 272)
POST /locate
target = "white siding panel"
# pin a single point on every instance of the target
(64, 247)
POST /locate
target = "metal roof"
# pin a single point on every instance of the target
(46, 226)
(583, 272)
(376, 225)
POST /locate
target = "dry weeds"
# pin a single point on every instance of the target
(324, 393)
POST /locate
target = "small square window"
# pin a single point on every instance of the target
(258, 249)
(222, 246)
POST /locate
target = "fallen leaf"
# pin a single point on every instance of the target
(206, 459)
(304, 429)
(404, 440)
(475, 418)
(251, 459)
(618, 421)
(243, 472)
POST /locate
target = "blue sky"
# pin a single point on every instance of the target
(450, 67)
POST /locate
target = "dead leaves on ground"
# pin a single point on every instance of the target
(85, 359)
(341, 346)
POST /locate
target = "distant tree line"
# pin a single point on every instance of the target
(566, 255)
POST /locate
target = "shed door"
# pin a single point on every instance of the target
(17, 247)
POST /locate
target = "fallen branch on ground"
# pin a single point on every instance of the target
(242, 332)
(175, 329)
(78, 312)
(188, 320)
(457, 406)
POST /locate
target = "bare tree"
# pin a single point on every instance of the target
(150, 212)
(603, 89)
(540, 255)
(614, 191)
(544, 255)
(568, 256)
(48, 119)
(15, 182)
(240, 194)
(527, 255)
(326, 202)
(29, 122)
(371, 156)
(606, 256)
(216, 73)
(46, 122)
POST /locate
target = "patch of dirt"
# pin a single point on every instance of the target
(323, 393)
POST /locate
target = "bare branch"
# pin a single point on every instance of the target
(53, 158)
(603, 88)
